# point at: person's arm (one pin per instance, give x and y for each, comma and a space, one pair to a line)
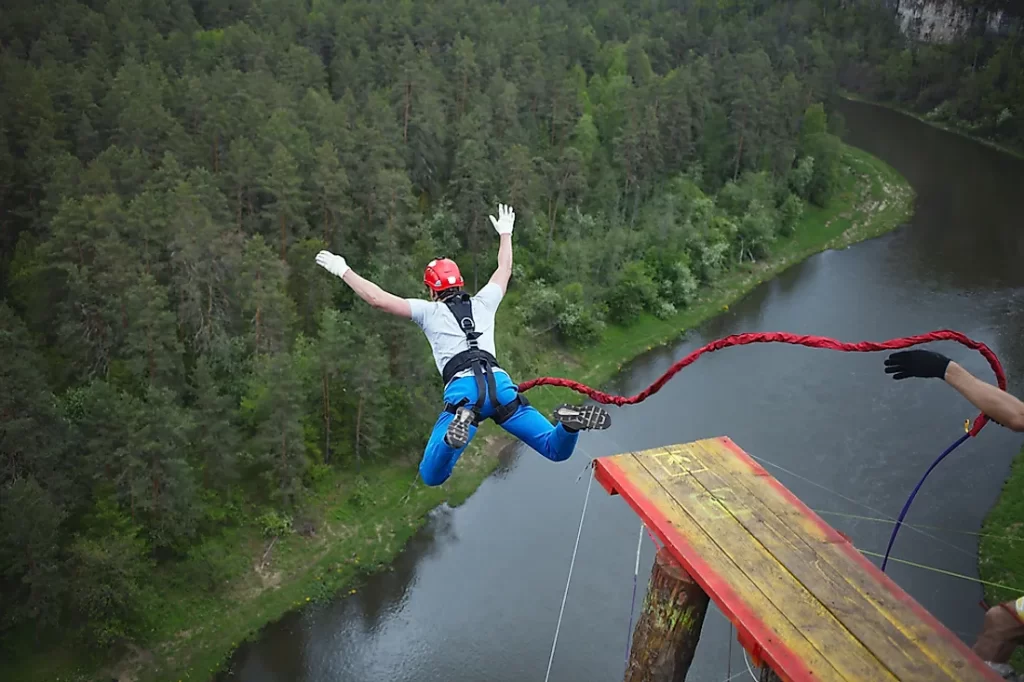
364, 288
995, 403
503, 225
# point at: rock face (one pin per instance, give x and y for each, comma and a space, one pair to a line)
941, 21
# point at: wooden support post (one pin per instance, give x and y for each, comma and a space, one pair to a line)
667, 632
768, 675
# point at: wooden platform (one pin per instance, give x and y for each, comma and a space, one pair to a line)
802, 598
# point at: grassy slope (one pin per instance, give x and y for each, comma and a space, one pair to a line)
362, 528
1001, 548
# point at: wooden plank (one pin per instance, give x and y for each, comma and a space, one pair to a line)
764, 602
891, 604
885, 624
785, 535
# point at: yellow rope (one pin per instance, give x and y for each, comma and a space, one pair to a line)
953, 574
1008, 538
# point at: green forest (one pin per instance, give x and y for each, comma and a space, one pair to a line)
974, 84
175, 366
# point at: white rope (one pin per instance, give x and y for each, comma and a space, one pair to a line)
734, 676
639, 542
749, 669
558, 626
632, 602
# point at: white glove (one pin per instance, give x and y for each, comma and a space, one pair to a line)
506, 219
333, 264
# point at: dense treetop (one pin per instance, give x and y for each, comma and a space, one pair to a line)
174, 363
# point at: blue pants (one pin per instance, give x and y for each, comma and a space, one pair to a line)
528, 425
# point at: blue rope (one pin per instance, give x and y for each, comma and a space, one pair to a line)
906, 507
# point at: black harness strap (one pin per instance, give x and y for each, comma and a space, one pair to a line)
501, 414
477, 359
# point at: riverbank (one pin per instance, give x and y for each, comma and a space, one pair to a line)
1001, 546
362, 522
941, 125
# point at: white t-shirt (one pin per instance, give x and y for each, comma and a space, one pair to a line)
442, 330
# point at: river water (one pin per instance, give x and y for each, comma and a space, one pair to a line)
476, 594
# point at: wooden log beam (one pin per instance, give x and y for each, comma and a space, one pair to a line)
669, 627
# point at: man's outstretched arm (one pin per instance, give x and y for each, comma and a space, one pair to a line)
997, 404
364, 288
503, 225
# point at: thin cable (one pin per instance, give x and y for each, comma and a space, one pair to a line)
862, 504
728, 660
734, 676
568, 580
910, 500
632, 602
943, 571
749, 669
860, 517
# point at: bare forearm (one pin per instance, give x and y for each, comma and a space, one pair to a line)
364, 288
505, 253
375, 296
999, 405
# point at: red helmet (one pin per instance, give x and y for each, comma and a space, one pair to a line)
442, 274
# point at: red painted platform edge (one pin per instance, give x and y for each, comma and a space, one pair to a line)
749, 626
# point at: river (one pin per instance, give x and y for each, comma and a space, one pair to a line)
476, 594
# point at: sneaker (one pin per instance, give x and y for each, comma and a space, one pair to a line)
457, 436
584, 418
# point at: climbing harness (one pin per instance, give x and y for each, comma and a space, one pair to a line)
480, 361
810, 342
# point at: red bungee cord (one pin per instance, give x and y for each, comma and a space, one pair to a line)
782, 337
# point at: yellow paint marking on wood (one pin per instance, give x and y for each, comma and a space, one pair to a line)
885, 625
822, 604
784, 538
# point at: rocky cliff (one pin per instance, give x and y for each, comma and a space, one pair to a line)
944, 20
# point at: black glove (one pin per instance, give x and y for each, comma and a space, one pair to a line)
925, 364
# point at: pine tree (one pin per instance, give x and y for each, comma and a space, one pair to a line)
331, 184
273, 407
286, 211
265, 304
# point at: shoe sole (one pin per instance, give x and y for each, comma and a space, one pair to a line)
457, 435
586, 418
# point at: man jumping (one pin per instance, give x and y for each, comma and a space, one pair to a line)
460, 330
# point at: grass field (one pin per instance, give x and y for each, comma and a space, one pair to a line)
1001, 546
